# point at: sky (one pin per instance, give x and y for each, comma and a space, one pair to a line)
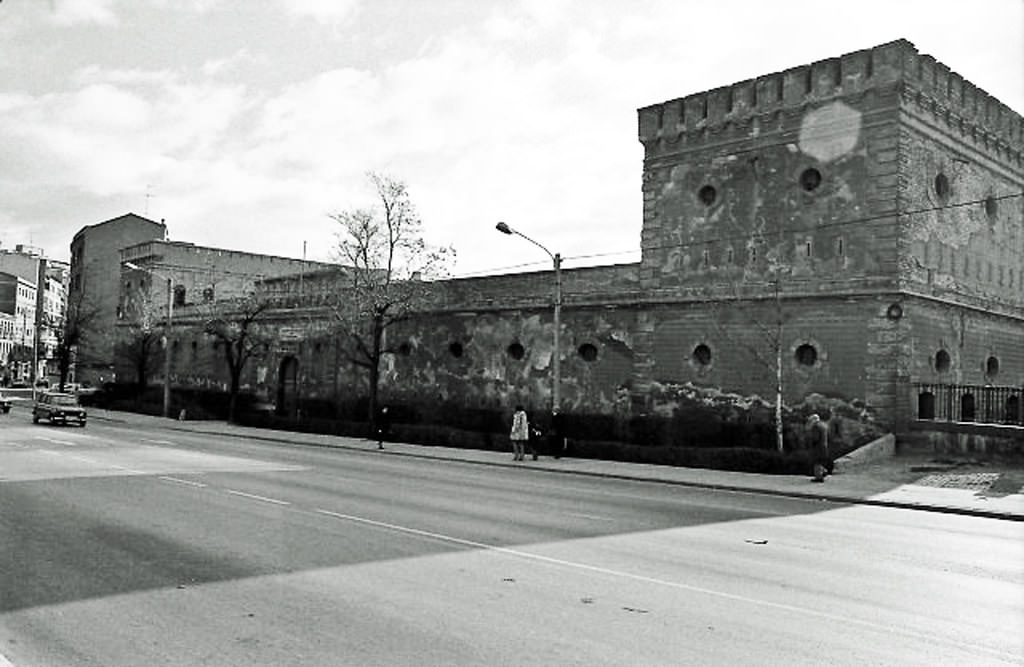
245, 123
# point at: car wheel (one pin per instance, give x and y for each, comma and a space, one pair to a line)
35, 418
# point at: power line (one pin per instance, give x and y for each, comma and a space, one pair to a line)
776, 232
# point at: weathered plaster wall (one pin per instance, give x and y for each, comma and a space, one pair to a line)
970, 337
500, 358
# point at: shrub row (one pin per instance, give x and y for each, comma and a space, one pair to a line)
698, 437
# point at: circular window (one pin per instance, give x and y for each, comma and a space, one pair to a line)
806, 355
991, 367
455, 349
702, 354
810, 179
894, 311
942, 361
707, 195
942, 186
991, 207
516, 351
405, 349
588, 352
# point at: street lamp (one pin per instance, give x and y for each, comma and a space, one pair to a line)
167, 335
556, 370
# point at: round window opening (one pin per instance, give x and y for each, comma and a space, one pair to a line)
456, 349
806, 355
702, 354
992, 367
588, 352
810, 179
942, 186
942, 361
991, 207
516, 351
707, 195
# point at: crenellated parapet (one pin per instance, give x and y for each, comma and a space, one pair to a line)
922, 82
936, 92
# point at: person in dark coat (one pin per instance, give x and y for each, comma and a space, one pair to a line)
819, 447
383, 426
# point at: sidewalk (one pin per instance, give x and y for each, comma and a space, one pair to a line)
918, 481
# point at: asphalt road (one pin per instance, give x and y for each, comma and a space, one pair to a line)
168, 548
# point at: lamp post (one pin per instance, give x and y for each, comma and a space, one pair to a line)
167, 334
556, 363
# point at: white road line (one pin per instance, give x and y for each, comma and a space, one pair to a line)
255, 497
592, 517
50, 440
871, 625
157, 442
182, 481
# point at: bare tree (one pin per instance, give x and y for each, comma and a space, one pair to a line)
141, 334
237, 326
78, 320
392, 269
733, 294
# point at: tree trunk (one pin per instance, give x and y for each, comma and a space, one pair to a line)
378, 344
232, 399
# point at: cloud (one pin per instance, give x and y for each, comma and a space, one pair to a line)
329, 12
68, 12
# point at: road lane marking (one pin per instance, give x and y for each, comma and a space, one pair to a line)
157, 442
255, 497
824, 615
54, 441
188, 482
593, 517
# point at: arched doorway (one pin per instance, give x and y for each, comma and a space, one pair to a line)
287, 386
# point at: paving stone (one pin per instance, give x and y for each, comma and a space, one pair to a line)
976, 481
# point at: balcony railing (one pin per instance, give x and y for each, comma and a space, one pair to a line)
979, 404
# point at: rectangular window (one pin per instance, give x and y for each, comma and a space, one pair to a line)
840, 250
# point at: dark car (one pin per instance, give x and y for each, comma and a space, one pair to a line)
58, 409
5, 404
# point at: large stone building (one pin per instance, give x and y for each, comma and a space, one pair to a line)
872, 203
851, 228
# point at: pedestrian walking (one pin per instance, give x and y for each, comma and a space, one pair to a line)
559, 444
819, 447
520, 433
383, 426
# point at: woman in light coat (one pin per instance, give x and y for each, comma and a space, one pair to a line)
520, 433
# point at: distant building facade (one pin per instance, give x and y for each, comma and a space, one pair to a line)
18, 303
30, 332
200, 279
94, 287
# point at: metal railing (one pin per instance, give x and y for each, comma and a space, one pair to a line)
979, 404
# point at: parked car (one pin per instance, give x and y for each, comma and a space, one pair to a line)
58, 409
5, 403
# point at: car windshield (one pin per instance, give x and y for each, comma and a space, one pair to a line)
64, 400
